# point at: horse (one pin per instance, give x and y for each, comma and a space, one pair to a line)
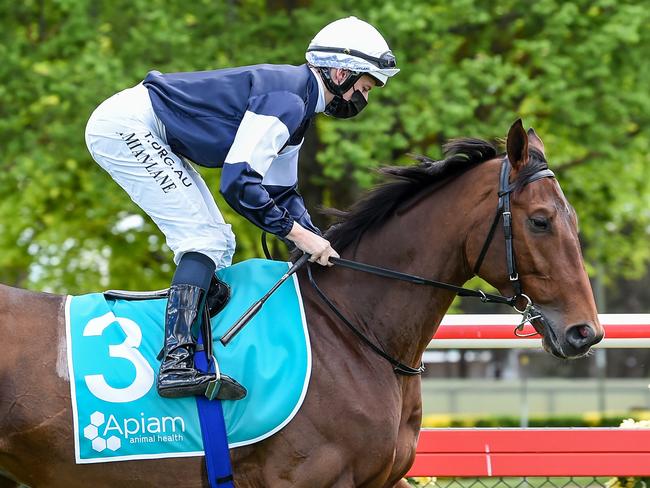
359, 423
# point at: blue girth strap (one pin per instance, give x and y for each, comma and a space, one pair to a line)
213, 430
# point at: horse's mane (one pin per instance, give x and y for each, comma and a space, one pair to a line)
405, 182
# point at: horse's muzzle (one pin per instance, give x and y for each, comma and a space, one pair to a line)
572, 343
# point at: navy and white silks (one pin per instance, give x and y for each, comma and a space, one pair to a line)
249, 121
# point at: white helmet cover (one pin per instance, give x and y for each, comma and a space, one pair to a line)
355, 45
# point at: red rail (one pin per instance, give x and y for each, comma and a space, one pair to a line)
496, 331
533, 452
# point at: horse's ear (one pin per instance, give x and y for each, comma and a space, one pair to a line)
517, 145
535, 141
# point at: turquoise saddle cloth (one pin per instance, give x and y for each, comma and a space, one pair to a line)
112, 348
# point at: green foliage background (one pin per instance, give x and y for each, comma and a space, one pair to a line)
577, 71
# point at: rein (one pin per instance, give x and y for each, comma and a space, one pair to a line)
398, 367
528, 313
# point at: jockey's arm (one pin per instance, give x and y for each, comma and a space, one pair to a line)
255, 170
281, 182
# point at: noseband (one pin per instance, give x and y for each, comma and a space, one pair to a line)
529, 312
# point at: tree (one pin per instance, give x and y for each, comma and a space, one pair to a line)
575, 70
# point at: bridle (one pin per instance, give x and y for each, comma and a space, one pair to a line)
529, 312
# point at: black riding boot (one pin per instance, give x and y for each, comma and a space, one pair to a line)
178, 377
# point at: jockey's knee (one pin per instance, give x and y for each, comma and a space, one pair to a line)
218, 244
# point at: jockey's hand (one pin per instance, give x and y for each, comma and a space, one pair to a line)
320, 249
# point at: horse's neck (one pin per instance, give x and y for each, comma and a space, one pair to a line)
426, 240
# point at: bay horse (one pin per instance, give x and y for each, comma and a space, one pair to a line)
359, 424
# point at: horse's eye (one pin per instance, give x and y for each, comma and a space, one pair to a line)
539, 224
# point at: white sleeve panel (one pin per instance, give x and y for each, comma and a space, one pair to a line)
258, 141
284, 168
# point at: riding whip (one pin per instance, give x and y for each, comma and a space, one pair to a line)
256, 307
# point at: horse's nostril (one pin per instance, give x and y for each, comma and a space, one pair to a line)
581, 336
584, 330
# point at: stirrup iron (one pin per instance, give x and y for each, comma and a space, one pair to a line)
223, 386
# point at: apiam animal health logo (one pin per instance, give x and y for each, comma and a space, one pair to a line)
132, 430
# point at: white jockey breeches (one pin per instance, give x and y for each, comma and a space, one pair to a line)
127, 139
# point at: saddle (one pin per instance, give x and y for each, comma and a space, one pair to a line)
218, 295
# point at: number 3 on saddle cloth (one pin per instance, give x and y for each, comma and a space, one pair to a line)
112, 349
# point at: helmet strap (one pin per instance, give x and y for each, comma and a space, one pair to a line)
349, 82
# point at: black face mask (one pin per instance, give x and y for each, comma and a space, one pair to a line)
344, 109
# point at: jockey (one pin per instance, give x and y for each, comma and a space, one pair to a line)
250, 122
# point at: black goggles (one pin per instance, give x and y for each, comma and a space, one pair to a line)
385, 61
